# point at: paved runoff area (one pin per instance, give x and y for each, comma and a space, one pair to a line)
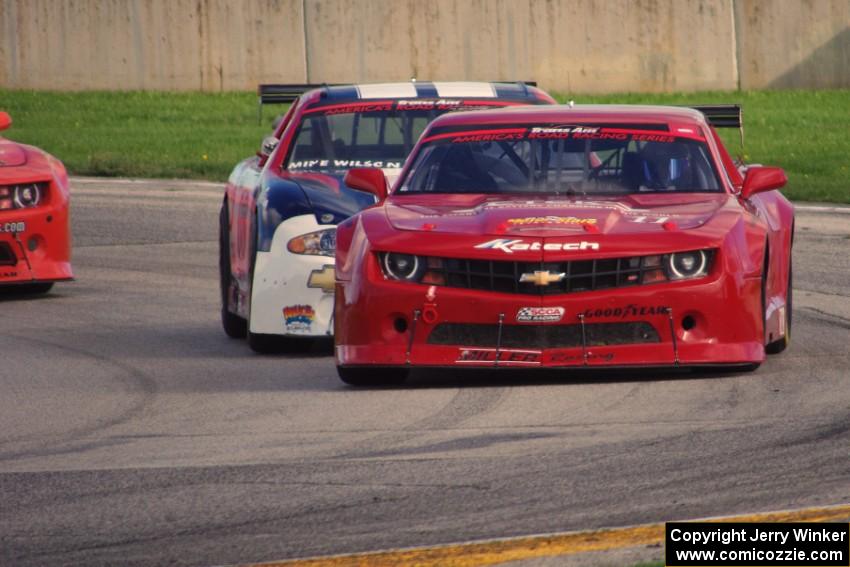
133, 432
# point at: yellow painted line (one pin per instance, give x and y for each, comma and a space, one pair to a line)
493, 552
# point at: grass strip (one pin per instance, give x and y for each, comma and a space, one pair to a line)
203, 135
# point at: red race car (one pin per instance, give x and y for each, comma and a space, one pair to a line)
35, 238
560, 236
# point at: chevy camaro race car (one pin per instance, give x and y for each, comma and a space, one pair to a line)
586, 236
35, 238
279, 216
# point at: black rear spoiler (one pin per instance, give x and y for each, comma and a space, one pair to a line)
723, 116
274, 93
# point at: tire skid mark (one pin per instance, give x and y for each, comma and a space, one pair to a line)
466, 404
144, 385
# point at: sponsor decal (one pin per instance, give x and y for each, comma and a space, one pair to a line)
782, 321
561, 357
630, 310
8, 274
491, 137
560, 132
542, 277
556, 132
13, 227
509, 246
441, 104
324, 279
549, 220
343, 163
299, 318
647, 219
504, 356
383, 106
540, 314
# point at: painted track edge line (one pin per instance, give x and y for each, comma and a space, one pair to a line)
822, 209
500, 550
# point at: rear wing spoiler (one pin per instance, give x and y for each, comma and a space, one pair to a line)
724, 116
274, 93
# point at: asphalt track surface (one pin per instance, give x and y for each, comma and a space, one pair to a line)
132, 431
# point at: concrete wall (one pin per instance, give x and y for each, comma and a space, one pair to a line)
579, 45
566, 45
793, 44
149, 44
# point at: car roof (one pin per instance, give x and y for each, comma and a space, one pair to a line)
428, 89
574, 113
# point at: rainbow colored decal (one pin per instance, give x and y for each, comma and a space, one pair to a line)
299, 318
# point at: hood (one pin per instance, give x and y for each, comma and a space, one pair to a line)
553, 216
327, 194
11, 154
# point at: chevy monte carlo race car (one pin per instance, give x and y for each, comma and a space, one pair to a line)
35, 238
280, 212
586, 236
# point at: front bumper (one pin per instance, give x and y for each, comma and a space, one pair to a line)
711, 321
292, 294
34, 245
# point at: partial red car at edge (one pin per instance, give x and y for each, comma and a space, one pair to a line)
35, 237
565, 237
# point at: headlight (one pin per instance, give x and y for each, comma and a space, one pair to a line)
685, 265
404, 267
410, 268
319, 243
21, 196
27, 195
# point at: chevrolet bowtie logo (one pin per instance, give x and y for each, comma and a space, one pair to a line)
542, 278
323, 279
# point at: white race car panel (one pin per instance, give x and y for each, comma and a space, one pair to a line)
461, 90
292, 294
387, 90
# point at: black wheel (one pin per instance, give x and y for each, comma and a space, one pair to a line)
32, 288
781, 344
370, 376
234, 326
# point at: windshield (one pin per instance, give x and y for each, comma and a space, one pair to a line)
562, 159
375, 134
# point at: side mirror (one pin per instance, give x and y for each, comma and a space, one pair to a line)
369, 179
5, 120
267, 146
760, 179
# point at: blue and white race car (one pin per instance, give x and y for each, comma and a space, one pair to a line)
280, 211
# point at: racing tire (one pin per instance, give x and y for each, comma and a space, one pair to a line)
366, 376
39, 288
234, 326
781, 344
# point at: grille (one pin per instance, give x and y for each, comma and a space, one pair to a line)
580, 275
7, 255
543, 336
